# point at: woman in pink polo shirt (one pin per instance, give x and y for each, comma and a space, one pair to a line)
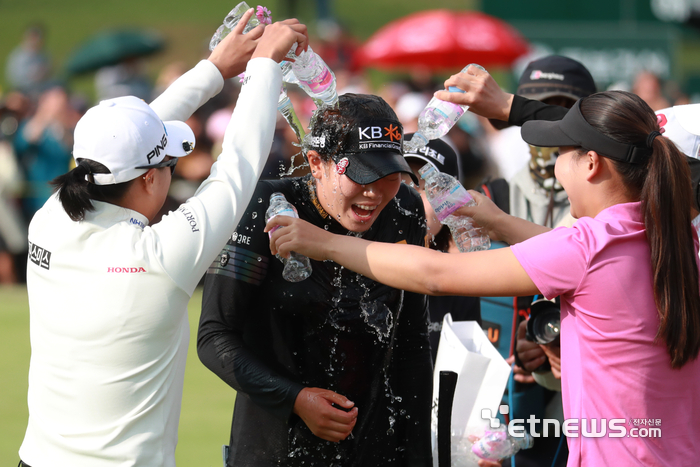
626, 273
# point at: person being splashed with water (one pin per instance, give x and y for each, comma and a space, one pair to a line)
334, 370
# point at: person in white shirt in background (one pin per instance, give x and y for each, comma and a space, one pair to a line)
107, 291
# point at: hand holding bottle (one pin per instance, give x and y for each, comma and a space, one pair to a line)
438, 117
479, 91
446, 195
297, 267
232, 54
279, 37
484, 212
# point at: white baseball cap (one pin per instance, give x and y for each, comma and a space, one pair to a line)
126, 136
681, 124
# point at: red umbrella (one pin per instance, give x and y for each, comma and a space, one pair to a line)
442, 39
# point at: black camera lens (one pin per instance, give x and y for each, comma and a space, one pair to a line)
544, 323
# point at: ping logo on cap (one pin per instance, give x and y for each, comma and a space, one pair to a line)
159, 147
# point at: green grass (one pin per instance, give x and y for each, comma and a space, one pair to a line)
207, 402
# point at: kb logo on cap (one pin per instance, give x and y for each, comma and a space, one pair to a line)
375, 132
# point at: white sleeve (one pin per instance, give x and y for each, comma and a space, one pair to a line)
188, 240
189, 92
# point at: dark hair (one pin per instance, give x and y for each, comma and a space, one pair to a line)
335, 122
76, 193
662, 183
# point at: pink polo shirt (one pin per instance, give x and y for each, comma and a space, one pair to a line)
611, 366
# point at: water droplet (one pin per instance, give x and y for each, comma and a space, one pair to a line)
259, 259
260, 200
255, 216
400, 232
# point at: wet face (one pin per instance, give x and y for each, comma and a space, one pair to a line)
354, 206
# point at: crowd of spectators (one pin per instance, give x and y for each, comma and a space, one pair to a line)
38, 115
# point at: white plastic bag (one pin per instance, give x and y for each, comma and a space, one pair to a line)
482, 377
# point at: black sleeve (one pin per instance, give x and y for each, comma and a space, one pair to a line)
414, 366
233, 326
523, 110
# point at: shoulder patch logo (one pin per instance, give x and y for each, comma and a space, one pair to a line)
39, 256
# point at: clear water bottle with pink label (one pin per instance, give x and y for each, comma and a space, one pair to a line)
446, 195
230, 22
314, 76
297, 267
497, 445
437, 118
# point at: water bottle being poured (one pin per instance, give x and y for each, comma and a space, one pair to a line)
232, 19
437, 118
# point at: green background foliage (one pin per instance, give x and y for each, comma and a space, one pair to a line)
186, 25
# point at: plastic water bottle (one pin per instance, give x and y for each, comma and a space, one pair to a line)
230, 22
315, 77
297, 267
497, 445
285, 107
446, 195
437, 118
288, 75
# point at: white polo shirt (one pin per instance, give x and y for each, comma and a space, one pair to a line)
108, 295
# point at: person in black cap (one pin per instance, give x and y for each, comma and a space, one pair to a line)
440, 155
626, 274
335, 369
535, 193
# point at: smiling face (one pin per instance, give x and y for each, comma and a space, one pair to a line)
354, 206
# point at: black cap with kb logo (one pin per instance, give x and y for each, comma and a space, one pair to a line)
371, 150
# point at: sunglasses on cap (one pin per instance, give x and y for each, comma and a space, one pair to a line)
169, 163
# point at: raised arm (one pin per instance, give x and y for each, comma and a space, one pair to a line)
407, 267
484, 97
499, 225
186, 241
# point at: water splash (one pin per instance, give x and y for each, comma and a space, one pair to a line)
371, 313
292, 167
403, 210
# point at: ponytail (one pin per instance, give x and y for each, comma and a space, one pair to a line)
76, 189
662, 183
668, 220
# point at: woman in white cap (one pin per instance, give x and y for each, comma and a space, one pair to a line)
626, 274
107, 291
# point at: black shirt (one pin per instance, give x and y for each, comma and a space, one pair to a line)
269, 338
